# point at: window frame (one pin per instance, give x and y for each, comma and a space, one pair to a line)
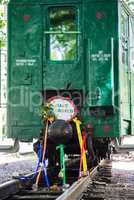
48, 33
125, 36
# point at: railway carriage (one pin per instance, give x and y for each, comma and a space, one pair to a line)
77, 49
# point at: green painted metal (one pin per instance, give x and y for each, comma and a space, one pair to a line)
98, 65
64, 73
100, 50
25, 70
131, 62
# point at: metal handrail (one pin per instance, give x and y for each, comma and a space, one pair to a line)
112, 68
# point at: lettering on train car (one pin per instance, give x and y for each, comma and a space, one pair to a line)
100, 56
27, 62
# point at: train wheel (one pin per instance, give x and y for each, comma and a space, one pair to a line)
16, 146
11, 148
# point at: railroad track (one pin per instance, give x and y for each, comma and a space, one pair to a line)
17, 190
114, 180
107, 181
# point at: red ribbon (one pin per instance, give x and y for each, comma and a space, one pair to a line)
83, 149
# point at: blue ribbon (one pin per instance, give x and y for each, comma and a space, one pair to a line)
40, 153
45, 173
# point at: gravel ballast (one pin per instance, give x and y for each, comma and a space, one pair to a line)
12, 165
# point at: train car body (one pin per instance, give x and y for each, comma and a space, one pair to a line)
82, 49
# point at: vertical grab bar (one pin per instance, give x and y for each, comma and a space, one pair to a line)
112, 68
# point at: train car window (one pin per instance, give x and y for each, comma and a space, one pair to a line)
62, 34
125, 33
131, 27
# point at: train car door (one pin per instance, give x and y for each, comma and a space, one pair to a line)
124, 73
101, 33
62, 50
131, 49
24, 69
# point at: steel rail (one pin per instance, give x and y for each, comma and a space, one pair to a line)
75, 191
72, 193
9, 188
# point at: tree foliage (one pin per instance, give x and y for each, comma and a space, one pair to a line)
2, 34
62, 42
130, 3
2, 23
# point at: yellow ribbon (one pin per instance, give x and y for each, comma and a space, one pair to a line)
84, 159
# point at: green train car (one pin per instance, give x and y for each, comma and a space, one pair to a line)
82, 49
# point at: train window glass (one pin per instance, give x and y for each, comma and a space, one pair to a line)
124, 25
125, 32
131, 27
62, 34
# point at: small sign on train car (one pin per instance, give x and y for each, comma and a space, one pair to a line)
63, 108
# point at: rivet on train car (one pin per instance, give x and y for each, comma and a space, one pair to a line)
106, 128
26, 18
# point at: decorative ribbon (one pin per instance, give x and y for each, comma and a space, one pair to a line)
45, 173
43, 157
62, 162
39, 165
84, 159
83, 151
